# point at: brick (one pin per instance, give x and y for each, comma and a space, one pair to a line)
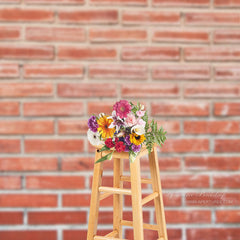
212, 54
173, 233
55, 182
86, 53
150, 90
77, 163
82, 234
28, 235
10, 1
211, 127
53, 109
65, 2
227, 73
180, 109
185, 181
151, 53
26, 89
227, 3
181, 3
28, 200
10, 182
88, 16
213, 233
86, 90
76, 200
212, 163
10, 146
11, 218
189, 216
228, 216
180, 36
227, 145
211, 90
98, 107
212, 199
60, 217
69, 126
81, 200
26, 15
9, 109
165, 164
10, 33
53, 71
28, 52
110, 71
26, 127
212, 19
172, 127
28, 164
55, 34
185, 145
180, 72
227, 36
227, 109
150, 17
117, 35
120, 2
226, 181
54, 145
9, 70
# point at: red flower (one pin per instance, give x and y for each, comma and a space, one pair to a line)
120, 147
109, 143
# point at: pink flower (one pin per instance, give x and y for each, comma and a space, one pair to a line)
122, 108
141, 122
140, 113
130, 120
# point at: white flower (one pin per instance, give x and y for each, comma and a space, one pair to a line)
138, 129
94, 138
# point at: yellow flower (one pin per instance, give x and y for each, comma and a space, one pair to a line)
137, 139
103, 128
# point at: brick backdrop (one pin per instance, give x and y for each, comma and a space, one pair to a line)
62, 60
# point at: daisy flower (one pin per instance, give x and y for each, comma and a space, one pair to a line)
104, 122
94, 138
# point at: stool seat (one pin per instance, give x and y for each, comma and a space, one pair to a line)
100, 192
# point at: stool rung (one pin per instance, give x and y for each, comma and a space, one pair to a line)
104, 195
143, 180
112, 234
149, 198
107, 238
145, 225
115, 190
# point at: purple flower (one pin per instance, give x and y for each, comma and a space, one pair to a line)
92, 124
136, 148
127, 140
126, 148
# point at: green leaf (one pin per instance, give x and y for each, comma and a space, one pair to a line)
104, 148
106, 157
132, 156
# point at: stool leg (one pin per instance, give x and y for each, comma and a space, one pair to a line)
136, 199
94, 205
117, 198
158, 201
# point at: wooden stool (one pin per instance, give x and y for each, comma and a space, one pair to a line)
100, 192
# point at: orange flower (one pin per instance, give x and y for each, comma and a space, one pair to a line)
103, 128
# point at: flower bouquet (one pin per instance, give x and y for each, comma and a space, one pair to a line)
126, 130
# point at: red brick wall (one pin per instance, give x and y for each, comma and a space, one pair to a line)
62, 60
